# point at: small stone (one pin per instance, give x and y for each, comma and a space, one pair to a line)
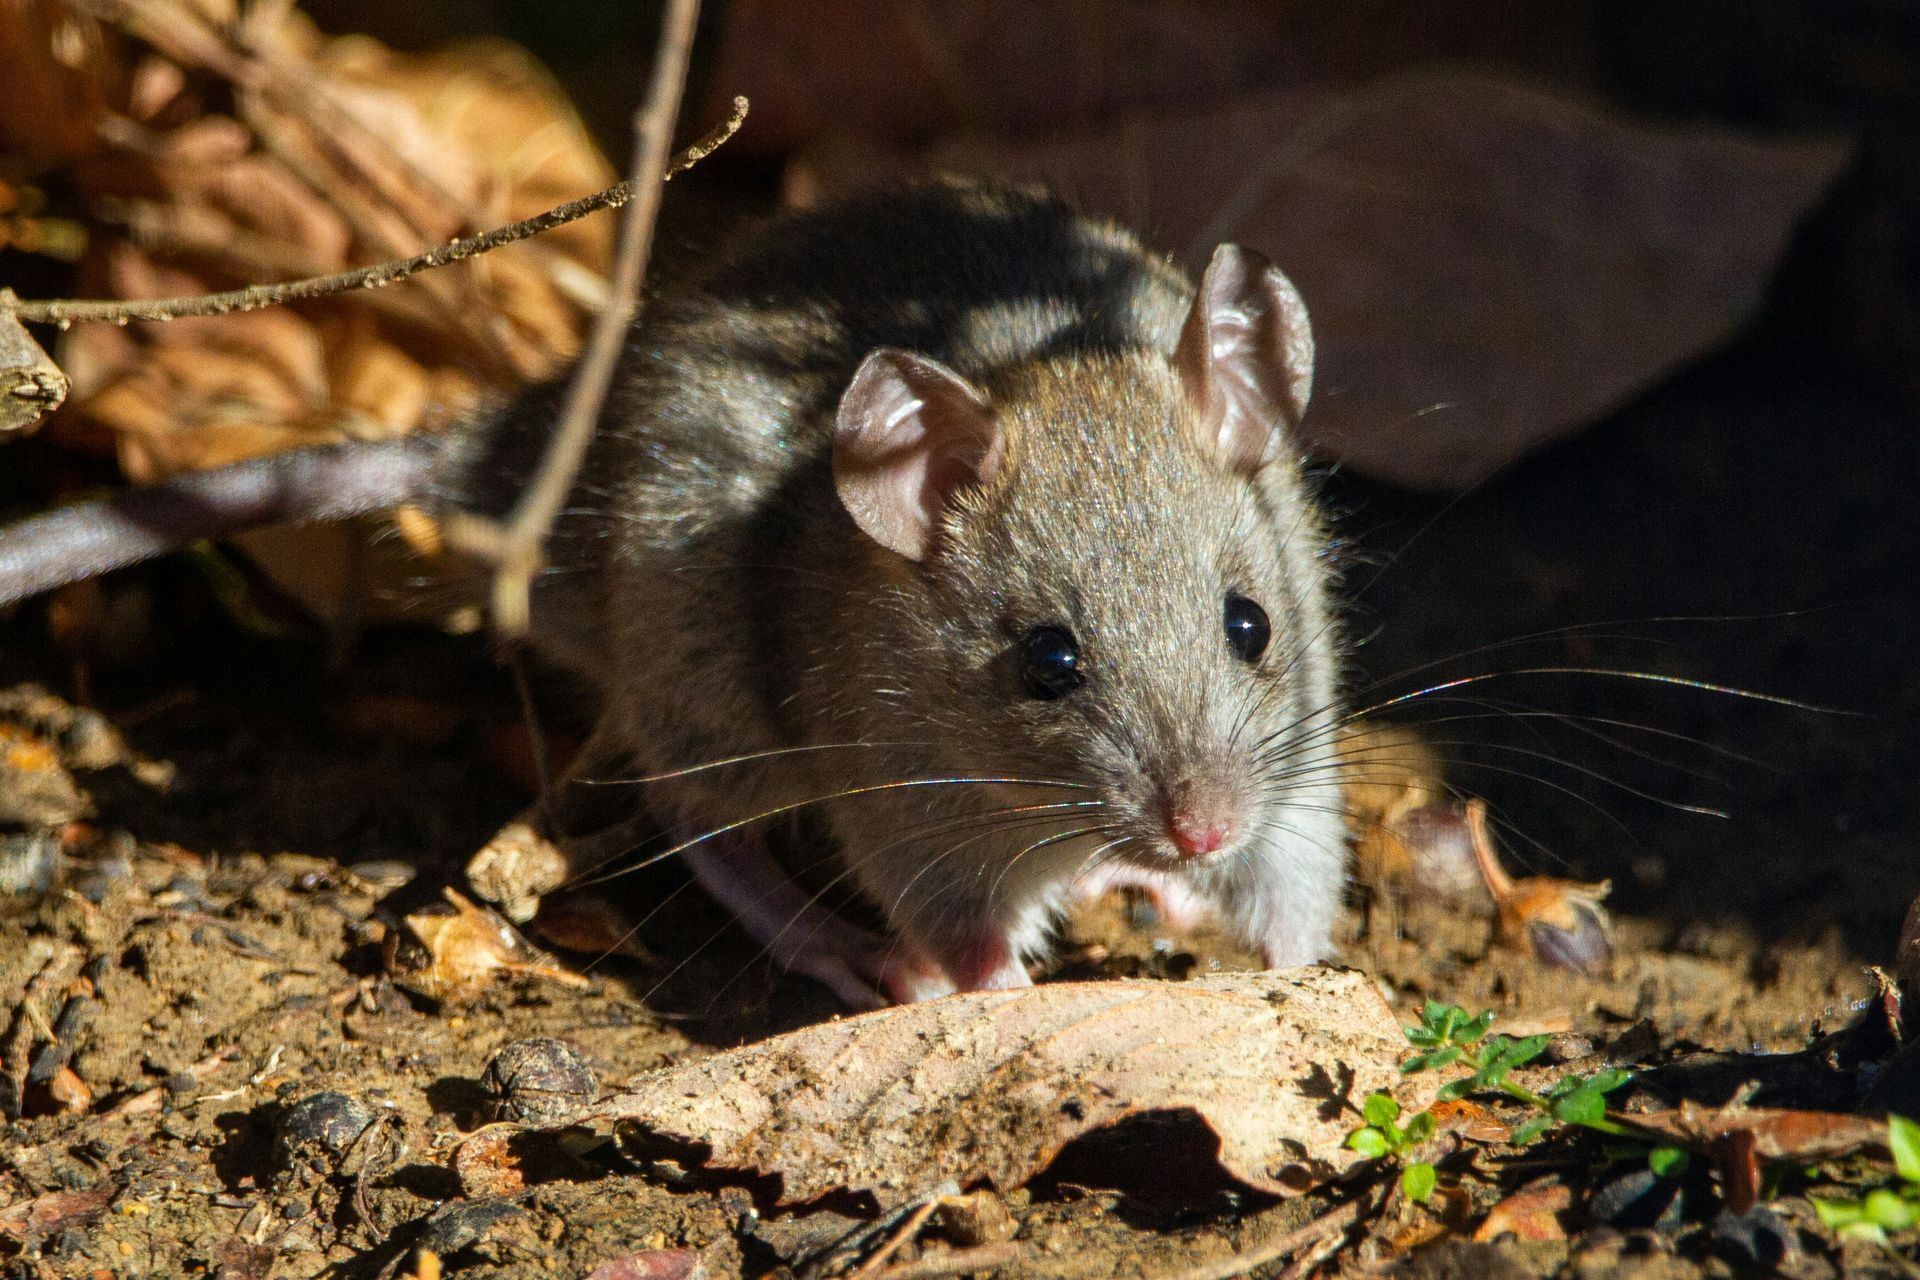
29, 861
1637, 1197
976, 1219
1757, 1238
321, 1126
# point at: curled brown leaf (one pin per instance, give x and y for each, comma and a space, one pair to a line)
985, 1088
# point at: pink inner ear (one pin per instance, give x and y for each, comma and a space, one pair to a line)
1246, 357
910, 433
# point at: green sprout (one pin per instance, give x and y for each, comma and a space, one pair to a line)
1449, 1036
1895, 1207
1382, 1136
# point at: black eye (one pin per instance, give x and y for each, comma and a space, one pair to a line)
1050, 662
1247, 629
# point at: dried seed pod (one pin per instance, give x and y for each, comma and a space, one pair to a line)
538, 1081
1407, 835
1438, 848
320, 1128
1560, 923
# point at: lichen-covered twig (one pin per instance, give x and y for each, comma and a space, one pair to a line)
65, 311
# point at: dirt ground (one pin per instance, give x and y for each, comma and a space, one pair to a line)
210, 832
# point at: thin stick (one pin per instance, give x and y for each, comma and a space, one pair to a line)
905, 1232
955, 1262
517, 548
1327, 1224
64, 311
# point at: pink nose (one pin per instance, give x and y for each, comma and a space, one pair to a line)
1196, 835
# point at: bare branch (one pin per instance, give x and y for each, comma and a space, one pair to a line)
518, 547
65, 311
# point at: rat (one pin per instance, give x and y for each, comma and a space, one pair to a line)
947, 516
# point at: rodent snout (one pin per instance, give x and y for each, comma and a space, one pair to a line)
1200, 819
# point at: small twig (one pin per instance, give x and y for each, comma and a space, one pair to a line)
907, 1230
1330, 1223
65, 311
955, 1262
151, 1100
517, 547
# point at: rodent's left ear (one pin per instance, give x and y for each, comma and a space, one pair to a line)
909, 434
1245, 357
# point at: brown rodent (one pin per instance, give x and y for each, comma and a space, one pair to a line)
963, 523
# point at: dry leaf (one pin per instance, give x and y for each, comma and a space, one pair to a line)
1470, 1120
894, 72
1742, 1139
1776, 1133
69, 1094
487, 1165
987, 1087
48, 1215
31, 385
652, 1264
1534, 1213
466, 948
324, 154
1488, 266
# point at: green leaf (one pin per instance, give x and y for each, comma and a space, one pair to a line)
1471, 1031
1837, 1215
1518, 1053
1865, 1231
1418, 1181
1528, 1130
1903, 1136
1380, 1110
1610, 1079
1584, 1106
1369, 1142
1453, 1089
1669, 1162
1421, 1127
1442, 1057
1884, 1209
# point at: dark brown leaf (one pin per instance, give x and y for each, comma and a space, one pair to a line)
1488, 266
49, 1214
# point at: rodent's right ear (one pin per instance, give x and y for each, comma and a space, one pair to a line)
1246, 357
909, 434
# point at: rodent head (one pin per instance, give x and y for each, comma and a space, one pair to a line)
1103, 570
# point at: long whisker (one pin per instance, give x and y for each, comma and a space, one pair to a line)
796, 805
1644, 677
748, 758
